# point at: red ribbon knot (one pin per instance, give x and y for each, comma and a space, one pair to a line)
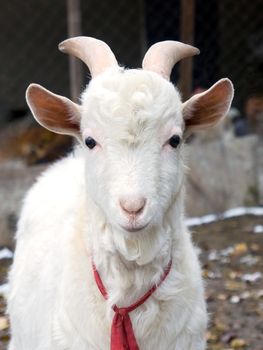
122, 335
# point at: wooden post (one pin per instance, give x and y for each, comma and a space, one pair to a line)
75, 66
259, 154
187, 37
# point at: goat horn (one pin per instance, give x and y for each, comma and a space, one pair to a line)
161, 57
95, 53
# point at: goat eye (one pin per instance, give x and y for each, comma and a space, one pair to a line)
90, 142
174, 141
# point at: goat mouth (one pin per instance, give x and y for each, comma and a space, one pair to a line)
134, 228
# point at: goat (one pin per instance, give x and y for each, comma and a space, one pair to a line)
111, 214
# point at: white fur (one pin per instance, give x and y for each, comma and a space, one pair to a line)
72, 214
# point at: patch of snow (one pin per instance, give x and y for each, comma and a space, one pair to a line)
4, 290
231, 213
252, 277
213, 255
222, 255
249, 260
227, 251
235, 299
201, 220
214, 275
258, 229
198, 250
5, 253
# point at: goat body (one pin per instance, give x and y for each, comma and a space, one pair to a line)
117, 200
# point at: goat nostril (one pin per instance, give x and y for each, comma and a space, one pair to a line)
133, 206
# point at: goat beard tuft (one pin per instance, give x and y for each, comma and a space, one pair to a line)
146, 246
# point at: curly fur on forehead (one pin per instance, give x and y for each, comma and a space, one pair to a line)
130, 103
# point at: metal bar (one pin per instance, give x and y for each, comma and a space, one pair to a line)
187, 36
75, 66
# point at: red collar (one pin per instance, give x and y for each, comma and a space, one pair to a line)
122, 335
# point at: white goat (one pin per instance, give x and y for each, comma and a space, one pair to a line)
116, 205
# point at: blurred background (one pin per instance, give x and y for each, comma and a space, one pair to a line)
226, 163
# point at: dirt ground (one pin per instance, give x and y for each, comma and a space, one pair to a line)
232, 257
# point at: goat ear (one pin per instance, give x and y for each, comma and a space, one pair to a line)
207, 108
53, 112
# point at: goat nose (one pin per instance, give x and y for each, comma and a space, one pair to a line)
132, 206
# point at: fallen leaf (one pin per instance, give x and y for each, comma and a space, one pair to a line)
238, 343
254, 247
211, 337
222, 296
234, 285
240, 249
228, 337
4, 324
